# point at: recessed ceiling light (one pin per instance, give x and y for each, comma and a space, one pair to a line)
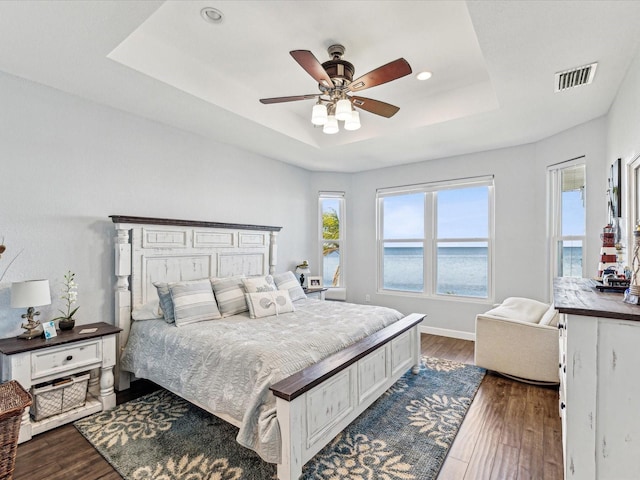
424, 75
212, 15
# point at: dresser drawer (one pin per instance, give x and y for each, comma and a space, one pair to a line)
66, 358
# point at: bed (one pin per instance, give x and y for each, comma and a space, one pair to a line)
291, 400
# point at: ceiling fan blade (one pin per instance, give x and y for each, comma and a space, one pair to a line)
288, 99
375, 106
391, 71
312, 66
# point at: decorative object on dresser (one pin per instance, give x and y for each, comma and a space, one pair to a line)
406, 434
30, 294
69, 295
302, 270
330, 372
70, 353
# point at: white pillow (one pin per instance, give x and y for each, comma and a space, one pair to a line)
149, 311
550, 317
266, 304
258, 284
518, 308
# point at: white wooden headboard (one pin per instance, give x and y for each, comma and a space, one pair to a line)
149, 250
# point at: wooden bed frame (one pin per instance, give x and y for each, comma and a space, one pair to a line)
313, 405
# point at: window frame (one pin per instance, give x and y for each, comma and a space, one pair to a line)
341, 241
430, 240
554, 214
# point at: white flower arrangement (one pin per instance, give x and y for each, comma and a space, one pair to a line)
69, 295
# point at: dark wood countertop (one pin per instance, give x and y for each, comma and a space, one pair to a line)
579, 296
13, 345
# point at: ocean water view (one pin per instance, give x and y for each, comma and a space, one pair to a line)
462, 270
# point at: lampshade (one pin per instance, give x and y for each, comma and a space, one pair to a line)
343, 109
353, 122
319, 114
331, 126
31, 293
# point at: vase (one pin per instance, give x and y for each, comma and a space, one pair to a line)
66, 323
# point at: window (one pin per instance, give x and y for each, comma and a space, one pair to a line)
435, 239
332, 237
567, 218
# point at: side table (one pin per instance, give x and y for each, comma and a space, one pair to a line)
35, 361
317, 293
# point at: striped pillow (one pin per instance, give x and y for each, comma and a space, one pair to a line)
166, 305
288, 281
193, 302
229, 295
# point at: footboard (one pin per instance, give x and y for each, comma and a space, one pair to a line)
317, 403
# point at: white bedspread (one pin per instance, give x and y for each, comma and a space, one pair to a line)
228, 365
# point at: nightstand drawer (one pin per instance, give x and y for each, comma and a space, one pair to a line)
64, 359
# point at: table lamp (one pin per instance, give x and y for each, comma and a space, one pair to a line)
27, 295
301, 270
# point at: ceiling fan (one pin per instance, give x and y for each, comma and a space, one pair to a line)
335, 82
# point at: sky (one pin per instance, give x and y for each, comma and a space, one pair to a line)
462, 213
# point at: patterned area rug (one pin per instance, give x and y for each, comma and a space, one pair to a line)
404, 435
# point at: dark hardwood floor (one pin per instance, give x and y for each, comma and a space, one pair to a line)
512, 431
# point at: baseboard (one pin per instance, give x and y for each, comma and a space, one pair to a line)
445, 332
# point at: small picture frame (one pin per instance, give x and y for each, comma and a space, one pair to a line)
314, 282
49, 329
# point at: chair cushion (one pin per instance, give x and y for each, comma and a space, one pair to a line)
522, 309
550, 317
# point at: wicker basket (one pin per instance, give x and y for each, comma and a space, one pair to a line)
13, 400
59, 396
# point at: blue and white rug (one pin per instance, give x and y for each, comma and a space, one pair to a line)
404, 435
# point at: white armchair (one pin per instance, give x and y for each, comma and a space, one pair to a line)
519, 338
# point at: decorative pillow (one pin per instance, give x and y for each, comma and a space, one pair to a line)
166, 305
258, 284
193, 302
550, 317
288, 281
229, 295
518, 308
267, 304
149, 311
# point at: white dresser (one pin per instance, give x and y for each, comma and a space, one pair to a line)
599, 382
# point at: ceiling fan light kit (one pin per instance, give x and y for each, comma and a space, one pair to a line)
319, 114
335, 82
331, 126
353, 122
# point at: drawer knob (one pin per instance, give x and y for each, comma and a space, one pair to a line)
562, 405
69, 357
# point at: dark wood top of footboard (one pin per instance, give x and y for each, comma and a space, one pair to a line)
190, 223
299, 383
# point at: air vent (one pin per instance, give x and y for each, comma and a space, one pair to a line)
575, 77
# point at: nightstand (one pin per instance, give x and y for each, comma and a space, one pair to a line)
32, 362
317, 293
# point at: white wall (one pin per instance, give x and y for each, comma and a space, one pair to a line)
67, 164
623, 132
521, 265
